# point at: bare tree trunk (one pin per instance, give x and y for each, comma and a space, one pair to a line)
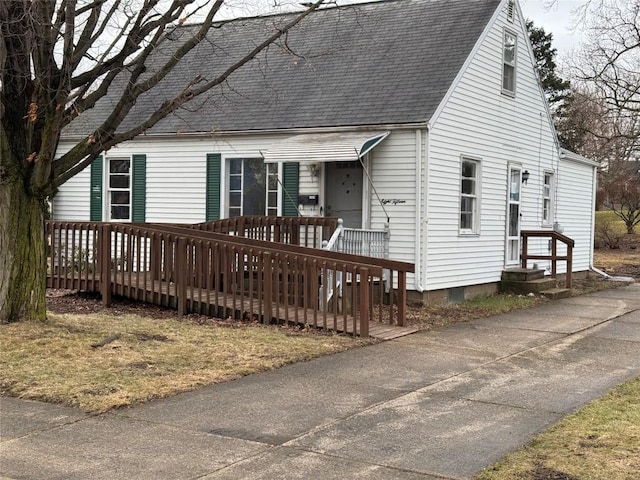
22, 254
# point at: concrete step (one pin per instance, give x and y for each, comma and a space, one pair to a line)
522, 274
530, 286
556, 293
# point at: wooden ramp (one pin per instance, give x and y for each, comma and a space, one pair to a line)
140, 287
264, 274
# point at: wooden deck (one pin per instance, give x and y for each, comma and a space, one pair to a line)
267, 269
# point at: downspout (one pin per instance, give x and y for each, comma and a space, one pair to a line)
594, 192
419, 280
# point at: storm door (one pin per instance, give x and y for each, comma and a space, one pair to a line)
513, 215
343, 192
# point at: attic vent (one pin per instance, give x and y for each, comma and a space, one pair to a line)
511, 7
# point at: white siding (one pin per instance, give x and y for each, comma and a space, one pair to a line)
176, 175
71, 202
393, 173
576, 209
479, 121
176, 182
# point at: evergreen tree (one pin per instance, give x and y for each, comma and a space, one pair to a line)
555, 88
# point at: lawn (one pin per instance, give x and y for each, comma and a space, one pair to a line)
101, 361
624, 258
599, 442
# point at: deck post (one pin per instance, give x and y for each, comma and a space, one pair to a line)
525, 247
554, 259
155, 257
267, 271
104, 256
181, 276
364, 302
402, 297
567, 279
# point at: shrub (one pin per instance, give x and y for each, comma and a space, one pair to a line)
609, 233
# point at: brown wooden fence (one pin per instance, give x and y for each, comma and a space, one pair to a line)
224, 275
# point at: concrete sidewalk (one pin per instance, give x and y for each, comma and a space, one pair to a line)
438, 404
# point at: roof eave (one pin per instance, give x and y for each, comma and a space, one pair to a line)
272, 131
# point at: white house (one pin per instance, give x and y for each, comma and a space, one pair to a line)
427, 114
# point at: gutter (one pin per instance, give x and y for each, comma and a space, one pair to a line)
419, 280
272, 131
599, 272
594, 191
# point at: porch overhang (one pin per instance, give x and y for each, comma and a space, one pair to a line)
324, 147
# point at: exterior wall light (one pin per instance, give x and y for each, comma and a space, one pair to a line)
525, 176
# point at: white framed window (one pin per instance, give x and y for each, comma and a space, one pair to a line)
547, 198
119, 188
469, 196
509, 47
253, 187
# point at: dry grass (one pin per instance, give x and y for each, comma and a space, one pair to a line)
60, 361
599, 442
430, 316
624, 260
614, 260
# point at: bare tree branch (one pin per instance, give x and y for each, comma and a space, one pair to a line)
105, 137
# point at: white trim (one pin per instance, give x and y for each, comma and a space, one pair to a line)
552, 198
418, 213
509, 93
594, 192
106, 189
225, 193
477, 212
270, 131
327, 147
367, 197
575, 157
507, 260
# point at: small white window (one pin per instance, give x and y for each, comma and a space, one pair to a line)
253, 187
547, 199
119, 188
509, 63
469, 191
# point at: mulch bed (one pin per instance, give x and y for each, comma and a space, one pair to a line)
83, 303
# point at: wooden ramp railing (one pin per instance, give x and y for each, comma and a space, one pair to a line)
226, 276
554, 256
303, 231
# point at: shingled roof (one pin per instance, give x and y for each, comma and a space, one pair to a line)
387, 62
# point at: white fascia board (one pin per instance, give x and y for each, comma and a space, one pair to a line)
575, 157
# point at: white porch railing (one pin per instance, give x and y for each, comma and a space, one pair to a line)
354, 241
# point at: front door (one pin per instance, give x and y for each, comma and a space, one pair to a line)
343, 192
513, 215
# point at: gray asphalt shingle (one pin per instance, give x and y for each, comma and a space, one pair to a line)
369, 64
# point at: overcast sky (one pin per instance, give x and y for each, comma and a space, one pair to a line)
555, 16
557, 19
